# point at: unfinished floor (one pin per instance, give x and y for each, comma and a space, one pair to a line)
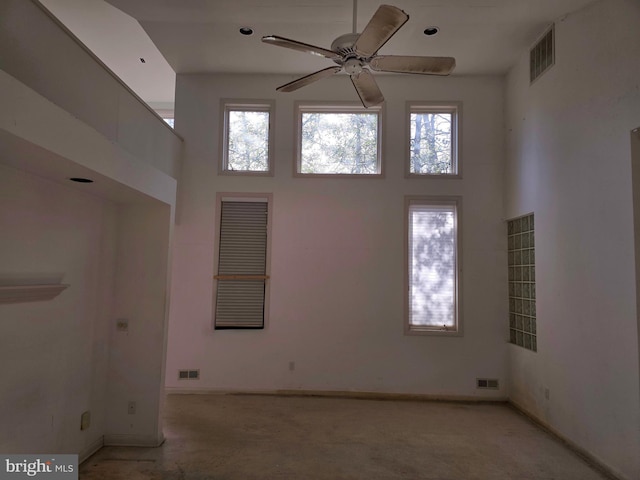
228, 437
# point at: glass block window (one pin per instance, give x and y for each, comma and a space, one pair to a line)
522, 282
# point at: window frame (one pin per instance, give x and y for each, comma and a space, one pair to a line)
245, 105
239, 197
457, 330
455, 109
335, 107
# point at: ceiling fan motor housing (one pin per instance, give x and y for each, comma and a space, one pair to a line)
344, 44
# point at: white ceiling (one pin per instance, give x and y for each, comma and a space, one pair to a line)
485, 36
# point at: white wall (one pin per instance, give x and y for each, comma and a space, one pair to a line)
336, 305
55, 353
40, 54
569, 162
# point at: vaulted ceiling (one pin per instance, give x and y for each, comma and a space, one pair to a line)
485, 36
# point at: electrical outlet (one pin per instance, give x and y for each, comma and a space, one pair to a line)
85, 420
292, 366
122, 325
131, 409
546, 393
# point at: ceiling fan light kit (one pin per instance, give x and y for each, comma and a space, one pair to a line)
356, 54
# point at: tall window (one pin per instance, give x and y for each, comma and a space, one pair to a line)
433, 139
247, 138
338, 140
433, 265
241, 282
522, 282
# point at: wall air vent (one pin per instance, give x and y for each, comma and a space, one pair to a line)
542, 56
489, 383
188, 374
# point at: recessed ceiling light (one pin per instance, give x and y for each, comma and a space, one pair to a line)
246, 30
431, 31
81, 180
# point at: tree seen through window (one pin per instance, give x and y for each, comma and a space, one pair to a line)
248, 141
430, 143
339, 143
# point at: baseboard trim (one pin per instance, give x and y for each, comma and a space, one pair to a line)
587, 456
124, 440
89, 450
419, 397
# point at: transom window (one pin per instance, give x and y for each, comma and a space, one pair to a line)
248, 138
433, 139
433, 265
338, 140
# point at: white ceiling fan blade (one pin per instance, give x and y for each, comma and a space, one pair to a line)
301, 47
367, 88
409, 64
306, 80
384, 23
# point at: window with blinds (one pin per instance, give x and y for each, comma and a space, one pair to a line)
433, 265
241, 280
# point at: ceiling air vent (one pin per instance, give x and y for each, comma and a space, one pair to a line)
542, 55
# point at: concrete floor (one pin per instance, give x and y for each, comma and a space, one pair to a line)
227, 437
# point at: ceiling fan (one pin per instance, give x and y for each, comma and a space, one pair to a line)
355, 53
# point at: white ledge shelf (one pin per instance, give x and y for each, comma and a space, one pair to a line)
30, 293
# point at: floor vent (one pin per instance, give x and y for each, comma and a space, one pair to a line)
490, 383
188, 374
542, 55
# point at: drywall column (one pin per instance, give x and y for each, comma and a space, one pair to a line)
138, 331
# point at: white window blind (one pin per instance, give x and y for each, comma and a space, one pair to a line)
432, 258
242, 255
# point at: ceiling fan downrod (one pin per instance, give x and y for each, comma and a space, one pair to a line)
355, 17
